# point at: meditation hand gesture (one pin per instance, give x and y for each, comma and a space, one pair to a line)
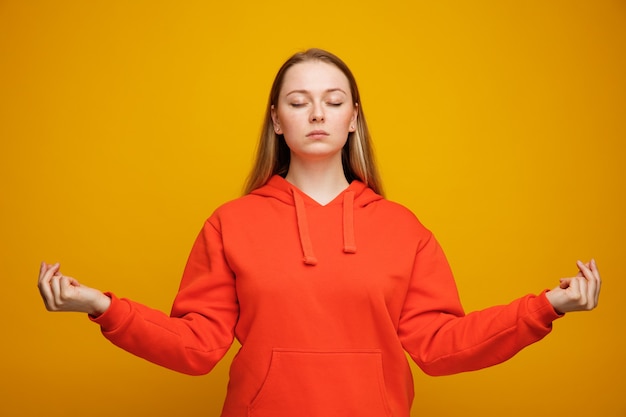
579, 293
62, 293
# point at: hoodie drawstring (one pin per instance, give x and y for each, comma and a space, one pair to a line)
303, 229
349, 242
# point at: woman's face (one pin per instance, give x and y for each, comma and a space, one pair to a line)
315, 110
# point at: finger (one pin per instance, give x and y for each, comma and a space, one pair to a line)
592, 281
591, 276
583, 285
46, 294
573, 291
55, 267
564, 283
584, 269
44, 284
43, 270
596, 272
52, 270
64, 286
594, 269
592, 294
55, 286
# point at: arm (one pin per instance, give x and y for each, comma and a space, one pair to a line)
443, 340
199, 330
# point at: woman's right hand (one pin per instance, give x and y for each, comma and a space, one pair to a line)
62, 293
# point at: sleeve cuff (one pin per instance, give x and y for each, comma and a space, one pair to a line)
114, 316
545, 311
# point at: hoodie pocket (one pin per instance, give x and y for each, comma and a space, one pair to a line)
322, 383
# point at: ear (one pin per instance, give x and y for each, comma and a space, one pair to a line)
275, 121
354, 117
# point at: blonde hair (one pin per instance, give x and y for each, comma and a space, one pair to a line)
273, 155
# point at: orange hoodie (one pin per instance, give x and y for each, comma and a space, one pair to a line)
325, 300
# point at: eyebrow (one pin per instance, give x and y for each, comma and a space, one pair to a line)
330, 90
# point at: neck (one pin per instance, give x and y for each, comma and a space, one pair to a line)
320, 180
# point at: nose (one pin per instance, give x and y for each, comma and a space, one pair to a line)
317, 113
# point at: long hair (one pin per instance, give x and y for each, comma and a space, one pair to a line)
273, 155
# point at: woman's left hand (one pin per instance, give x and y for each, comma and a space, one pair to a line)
579, 293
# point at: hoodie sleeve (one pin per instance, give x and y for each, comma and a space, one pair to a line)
200, 328
442, 340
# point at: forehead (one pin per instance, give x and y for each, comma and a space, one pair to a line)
314, 76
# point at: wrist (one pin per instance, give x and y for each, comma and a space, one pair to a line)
553, 300
101, 304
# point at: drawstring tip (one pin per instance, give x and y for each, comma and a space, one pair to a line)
310, 260
349, 249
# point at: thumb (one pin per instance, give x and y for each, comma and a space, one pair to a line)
564, 283
54, 268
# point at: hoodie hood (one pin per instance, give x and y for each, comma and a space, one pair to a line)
356, 195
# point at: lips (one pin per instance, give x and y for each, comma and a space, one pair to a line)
317, 134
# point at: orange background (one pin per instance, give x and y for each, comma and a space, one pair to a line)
124, 124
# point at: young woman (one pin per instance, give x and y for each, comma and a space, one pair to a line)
324, 282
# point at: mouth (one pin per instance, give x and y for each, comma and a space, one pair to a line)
317, 134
